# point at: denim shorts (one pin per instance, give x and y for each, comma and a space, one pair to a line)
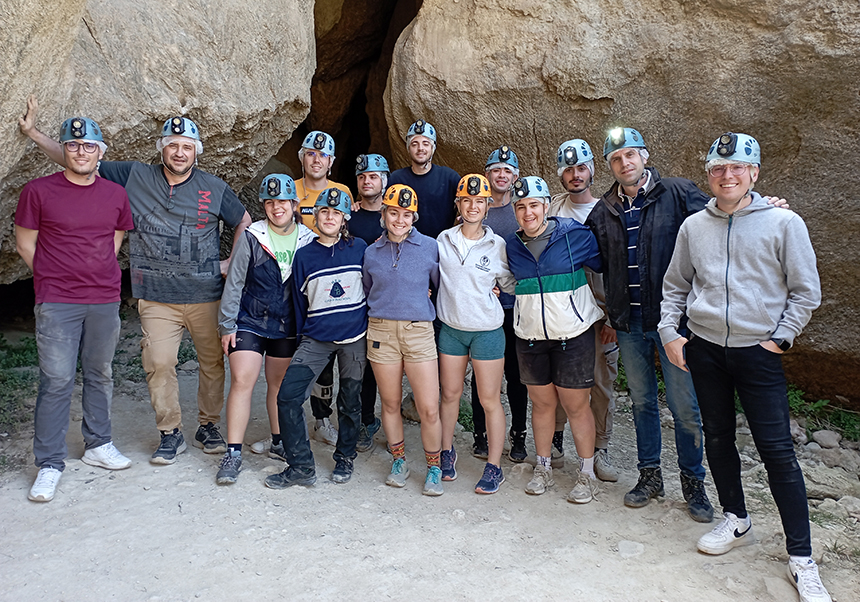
480, 345
567, 364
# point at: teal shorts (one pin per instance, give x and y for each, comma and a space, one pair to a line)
480, 345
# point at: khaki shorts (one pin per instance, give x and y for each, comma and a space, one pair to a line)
395, 341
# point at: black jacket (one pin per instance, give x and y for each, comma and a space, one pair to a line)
667, 204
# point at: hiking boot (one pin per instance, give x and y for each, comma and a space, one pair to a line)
518, 451
479, 447
365, 436
45, 484
342, 472
698, 505
433, 481
172, 443
291, 476
557, 456
491, 479
541, 480
399, 473
449, 464
730, 533
229, 469
277, 452
603, 467
106, 456
209, 439
584, 491
804, 575
650, 485
325, 432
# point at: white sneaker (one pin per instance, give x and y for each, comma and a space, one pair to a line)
106, 456
541, 479
45, 485
325, 432
603, 467
584, 491
261, 447
730, 533
804, 575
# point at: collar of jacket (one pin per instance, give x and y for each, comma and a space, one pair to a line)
612, 199
384, 240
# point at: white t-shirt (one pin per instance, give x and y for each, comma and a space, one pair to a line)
562, 207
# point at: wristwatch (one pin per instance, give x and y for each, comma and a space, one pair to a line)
782, 344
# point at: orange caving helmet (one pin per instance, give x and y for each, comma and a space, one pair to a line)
402, 196
474, 185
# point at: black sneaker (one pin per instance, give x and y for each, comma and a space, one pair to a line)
342, 472
518, 451
650, 485
291, 476
277, 452
365, 436
172, 443
209, 439
479, 447
698, 505
229, 469
557, 453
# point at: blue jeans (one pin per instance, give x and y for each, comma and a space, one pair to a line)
309, 361
757, 375
63, 329
637, 355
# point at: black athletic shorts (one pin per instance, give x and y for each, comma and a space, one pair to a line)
567, 364
248, 341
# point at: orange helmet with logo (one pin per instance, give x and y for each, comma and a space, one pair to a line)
474, 185
402, 196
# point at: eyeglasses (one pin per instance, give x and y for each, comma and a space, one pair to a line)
314, 154
89, 147
736, 169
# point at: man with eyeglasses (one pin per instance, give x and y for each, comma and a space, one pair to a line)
435, 185
69, 227
745, 278
176, 274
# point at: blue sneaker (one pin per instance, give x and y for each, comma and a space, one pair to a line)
399, 473
365, 436
449, 464
492, 479
433, 482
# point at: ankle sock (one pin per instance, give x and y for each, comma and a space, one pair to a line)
433, 458
545, 461
398, 450
234, 447
276, 439
586, 465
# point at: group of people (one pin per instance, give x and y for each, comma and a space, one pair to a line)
542, 290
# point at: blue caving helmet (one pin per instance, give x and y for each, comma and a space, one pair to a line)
421, 128
735, 147
336, 199
80, 128
319, 141
180, 126
278, 186
531, 187
619, 138
573, 152
371, 162
503, 154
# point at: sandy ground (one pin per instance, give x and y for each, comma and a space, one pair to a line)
170, 533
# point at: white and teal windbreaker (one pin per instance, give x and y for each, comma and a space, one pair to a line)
553, 300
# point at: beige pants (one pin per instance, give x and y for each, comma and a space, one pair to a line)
162, 325
602, 402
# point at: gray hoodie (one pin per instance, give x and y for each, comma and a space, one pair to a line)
742, 278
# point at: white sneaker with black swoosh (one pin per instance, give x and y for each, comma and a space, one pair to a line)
730, 533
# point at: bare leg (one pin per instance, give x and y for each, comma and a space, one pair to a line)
544, 400
244, 370
576, 404
275, 369
488, 375
424, 379
452, 370
389, 382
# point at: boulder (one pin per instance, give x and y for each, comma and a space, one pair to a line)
241, 70
823, 482
827, 439
532, 74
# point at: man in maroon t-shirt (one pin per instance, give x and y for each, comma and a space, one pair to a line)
68, 229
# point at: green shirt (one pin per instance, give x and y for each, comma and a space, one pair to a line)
284, 247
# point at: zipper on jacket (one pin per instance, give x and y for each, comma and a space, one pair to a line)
728, 261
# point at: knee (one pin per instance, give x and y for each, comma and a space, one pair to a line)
295, 386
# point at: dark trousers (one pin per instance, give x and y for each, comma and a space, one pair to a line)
368, 398
518, 395
310, 359
757, 376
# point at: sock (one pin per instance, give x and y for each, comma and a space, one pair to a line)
545, 461
234, 447
398, 450
276, 439
586, 465
433, 458
597, 449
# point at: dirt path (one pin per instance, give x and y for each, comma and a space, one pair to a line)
170, 533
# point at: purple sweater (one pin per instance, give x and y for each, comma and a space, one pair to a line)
397, 277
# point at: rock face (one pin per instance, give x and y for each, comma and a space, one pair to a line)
533, 74
241, 70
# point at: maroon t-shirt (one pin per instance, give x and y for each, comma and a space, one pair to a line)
75, 260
